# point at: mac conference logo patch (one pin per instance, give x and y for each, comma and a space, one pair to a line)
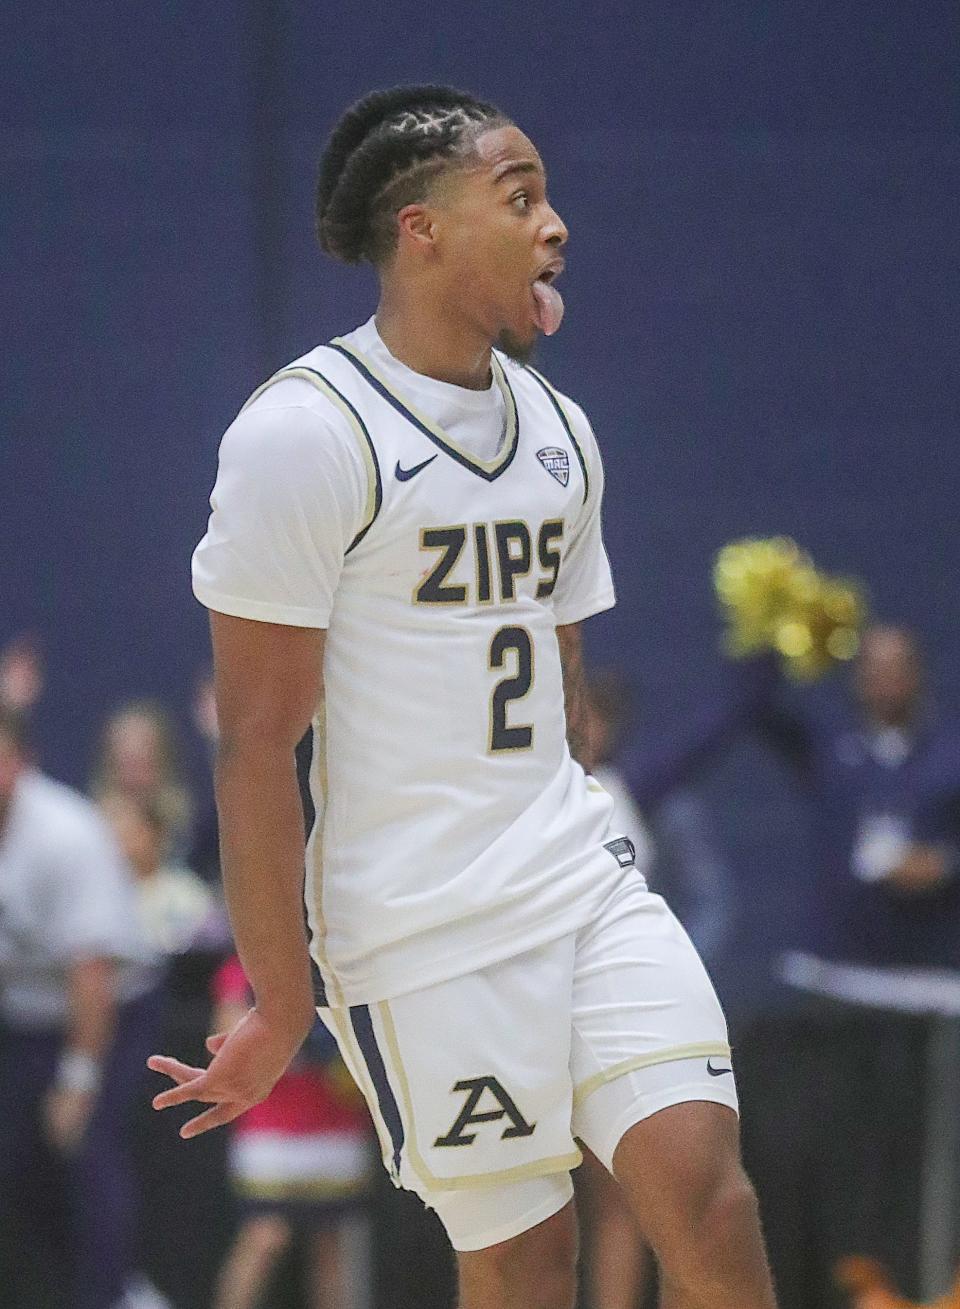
556, 462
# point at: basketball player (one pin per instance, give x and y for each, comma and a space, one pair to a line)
405, 538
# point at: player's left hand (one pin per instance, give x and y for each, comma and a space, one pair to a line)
247, 1062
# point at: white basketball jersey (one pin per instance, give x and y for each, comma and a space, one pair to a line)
453, 827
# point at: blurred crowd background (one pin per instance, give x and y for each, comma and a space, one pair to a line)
762, 323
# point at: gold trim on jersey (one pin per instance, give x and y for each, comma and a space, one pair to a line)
441, 437
701, 1050
307, 374
428, 1180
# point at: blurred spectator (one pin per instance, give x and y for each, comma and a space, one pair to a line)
609, 710
179, 912
71, 1046
21, 673
138, 757
301, 1165
833, 1087
649, 778
183, 920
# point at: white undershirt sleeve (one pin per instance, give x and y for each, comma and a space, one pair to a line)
584, 585
291, 495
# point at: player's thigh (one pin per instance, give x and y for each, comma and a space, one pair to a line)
469, 1084
648, 1030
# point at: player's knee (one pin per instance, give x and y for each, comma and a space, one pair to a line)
727, 1216
537, 1269
606, 1200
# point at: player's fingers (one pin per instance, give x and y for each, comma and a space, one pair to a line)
213, 1043
173, 1068
199, 1089
215, 1117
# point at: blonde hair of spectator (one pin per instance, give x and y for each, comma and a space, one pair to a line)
139, 756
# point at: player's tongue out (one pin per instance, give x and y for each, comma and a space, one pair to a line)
549, 304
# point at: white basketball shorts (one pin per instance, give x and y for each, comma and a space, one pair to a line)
481, 1086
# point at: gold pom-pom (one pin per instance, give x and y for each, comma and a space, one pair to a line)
775, 599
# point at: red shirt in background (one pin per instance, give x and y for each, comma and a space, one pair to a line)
309, 1098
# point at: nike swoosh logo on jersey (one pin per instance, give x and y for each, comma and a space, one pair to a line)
717, 1072
404, 474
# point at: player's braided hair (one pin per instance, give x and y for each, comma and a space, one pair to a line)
380, 157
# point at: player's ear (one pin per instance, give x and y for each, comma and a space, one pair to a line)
416, 227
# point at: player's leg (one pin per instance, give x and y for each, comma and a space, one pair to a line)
616, 1255
535, 1270
655, 1100
680, 1170
468, 1082
258, 1244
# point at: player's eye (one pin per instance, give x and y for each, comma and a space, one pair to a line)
520, 200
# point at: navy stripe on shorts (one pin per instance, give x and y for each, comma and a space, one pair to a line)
389, 1112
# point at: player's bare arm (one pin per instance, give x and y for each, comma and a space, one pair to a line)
268, 683
575, 693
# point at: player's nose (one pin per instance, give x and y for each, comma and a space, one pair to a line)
554, 229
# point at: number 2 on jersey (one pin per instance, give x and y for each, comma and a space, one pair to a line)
510, 641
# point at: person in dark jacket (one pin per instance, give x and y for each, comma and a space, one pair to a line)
835, 1129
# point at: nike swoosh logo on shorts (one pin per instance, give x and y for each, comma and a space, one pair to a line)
717, 1072
404, 474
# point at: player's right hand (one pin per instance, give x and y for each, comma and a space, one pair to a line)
247, 1062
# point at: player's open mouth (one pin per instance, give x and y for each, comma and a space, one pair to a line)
548, 303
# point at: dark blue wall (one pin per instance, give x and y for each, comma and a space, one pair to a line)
762, 301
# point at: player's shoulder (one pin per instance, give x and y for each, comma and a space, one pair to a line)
301, 384
295, 412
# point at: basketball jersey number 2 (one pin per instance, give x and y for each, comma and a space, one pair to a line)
516, 642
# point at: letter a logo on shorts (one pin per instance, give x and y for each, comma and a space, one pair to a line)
468, 1115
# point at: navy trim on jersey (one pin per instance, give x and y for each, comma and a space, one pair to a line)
548, 391
378, 489
401, 408
319, 986
367, 1041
